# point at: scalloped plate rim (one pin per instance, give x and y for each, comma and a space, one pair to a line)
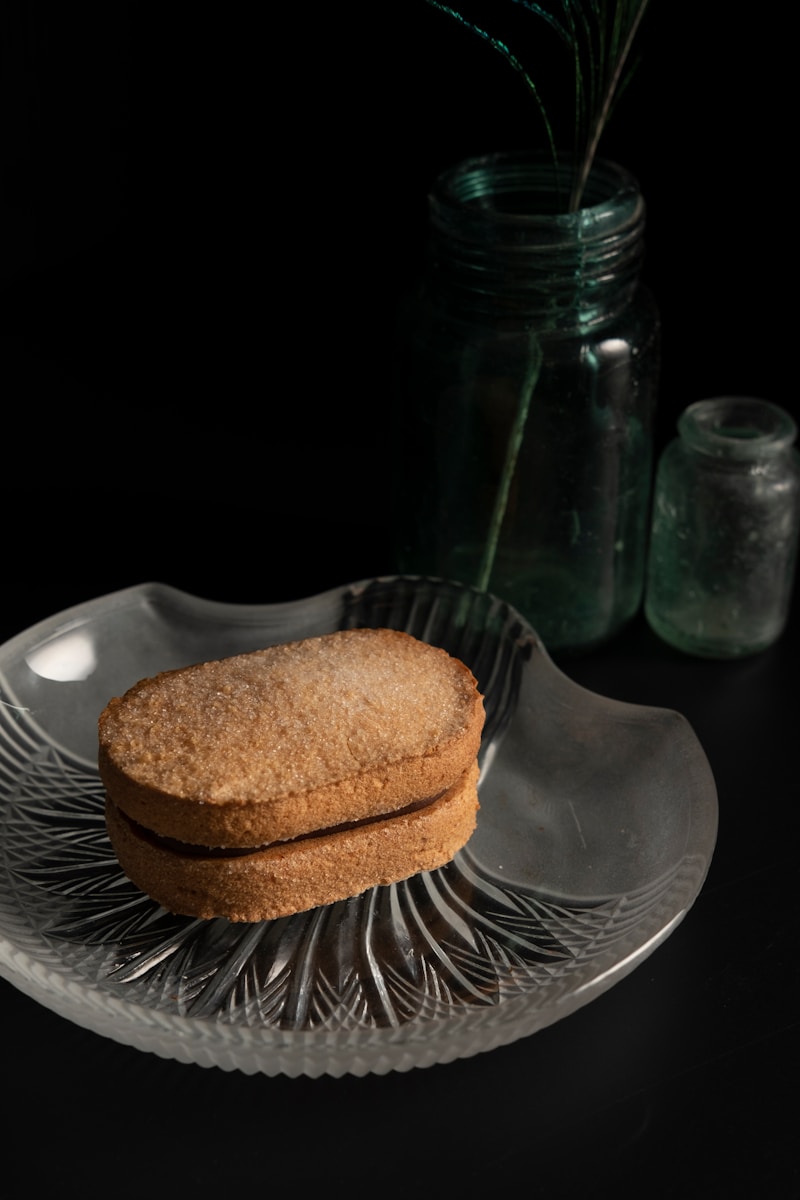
326, 1054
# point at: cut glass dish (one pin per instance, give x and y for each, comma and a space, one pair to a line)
596, 829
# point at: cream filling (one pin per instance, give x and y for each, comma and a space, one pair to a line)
191, 850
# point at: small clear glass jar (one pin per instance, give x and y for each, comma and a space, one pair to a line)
526, 387
724, 532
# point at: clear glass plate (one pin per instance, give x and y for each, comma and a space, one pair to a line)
597, 824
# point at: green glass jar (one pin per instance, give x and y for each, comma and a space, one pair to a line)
527, 378
726, 513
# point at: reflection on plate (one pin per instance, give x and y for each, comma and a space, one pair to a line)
596, 830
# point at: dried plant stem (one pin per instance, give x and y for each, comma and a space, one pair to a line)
516, 434
510, 58
606, 103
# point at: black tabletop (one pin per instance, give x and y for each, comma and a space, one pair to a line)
196, 390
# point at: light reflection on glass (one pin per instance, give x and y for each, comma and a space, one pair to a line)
66, 658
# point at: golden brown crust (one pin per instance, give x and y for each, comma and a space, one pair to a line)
294, 876
288, 740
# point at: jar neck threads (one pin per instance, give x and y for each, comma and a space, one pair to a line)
502, 244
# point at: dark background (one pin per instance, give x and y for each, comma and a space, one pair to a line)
207, 222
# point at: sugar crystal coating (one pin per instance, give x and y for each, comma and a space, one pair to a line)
288, 718
316, 769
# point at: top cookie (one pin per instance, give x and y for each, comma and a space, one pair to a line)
292, 739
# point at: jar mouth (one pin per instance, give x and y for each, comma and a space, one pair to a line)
737, 427
528, 191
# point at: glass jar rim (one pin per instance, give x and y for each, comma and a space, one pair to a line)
484, 186
738, 427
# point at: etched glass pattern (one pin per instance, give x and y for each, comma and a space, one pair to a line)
595, 833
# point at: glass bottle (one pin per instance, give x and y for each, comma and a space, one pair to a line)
726, 513
527, 377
